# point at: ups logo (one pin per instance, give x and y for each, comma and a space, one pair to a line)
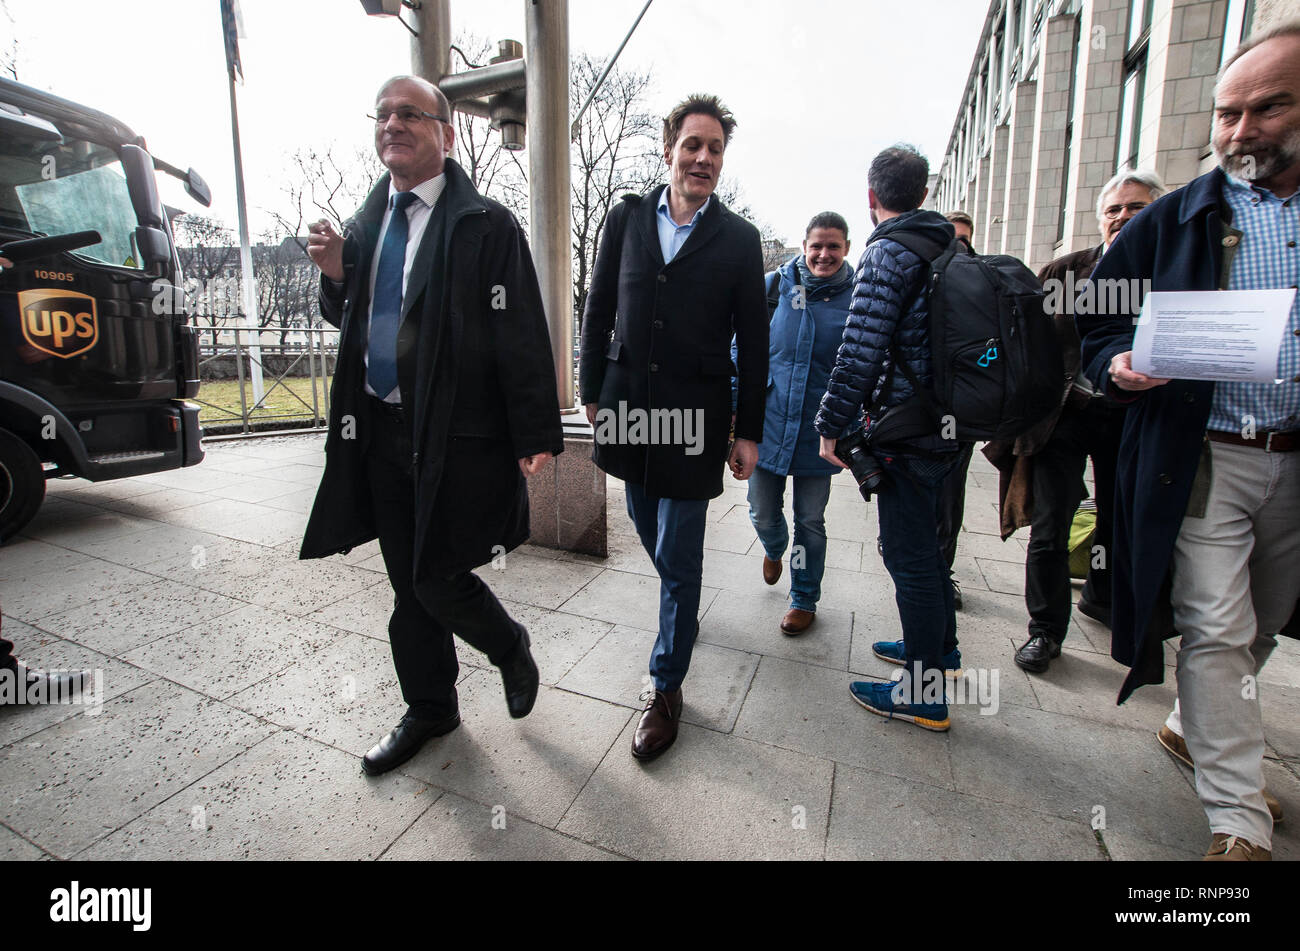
59, 322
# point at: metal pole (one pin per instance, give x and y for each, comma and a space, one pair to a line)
245, 255
547, 56
431, 47
573, 131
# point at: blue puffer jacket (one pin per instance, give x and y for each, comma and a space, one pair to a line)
877, 330
803, 343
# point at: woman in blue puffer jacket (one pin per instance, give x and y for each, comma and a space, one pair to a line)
807, 327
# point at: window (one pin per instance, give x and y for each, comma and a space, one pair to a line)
1069, 138
1128, 143
1236, 26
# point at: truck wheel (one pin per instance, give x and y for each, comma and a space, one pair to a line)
22, 484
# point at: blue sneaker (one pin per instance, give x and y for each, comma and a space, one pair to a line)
878, 698
892, 652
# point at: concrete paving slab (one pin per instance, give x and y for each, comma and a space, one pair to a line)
559, 641
808, 709
877, 817
456, 829
14, 848
1126, 847
159, 504
224, 655
59, 511
97, 532
270, 527
534, 767
84, 777
66, 584
270, 578
1283, 666
1003, 576
751, 621
621, 597
40, 650
345, 695
252, 489
722, 537
616, 671
1280, 708
709, 797
1059, 764
122, 622
30, 560
1077, 679
308, 801
363, 612
542, 582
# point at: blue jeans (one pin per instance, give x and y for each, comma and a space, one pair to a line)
907, 504
808, 559
672, 533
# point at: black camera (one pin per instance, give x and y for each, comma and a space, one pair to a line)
862, 462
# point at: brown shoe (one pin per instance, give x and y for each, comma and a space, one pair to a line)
771, 570
1233, 848
796, 621
658, 727
1177, 748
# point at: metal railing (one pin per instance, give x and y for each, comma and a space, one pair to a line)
285, 368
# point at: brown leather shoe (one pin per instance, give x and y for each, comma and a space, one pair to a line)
1177, 748
1233, 848
771, 570
658, 727
796, 621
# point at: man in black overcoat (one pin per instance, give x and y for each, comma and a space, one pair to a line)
677, 275
443, 400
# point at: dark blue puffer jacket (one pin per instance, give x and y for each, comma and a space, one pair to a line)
877, 330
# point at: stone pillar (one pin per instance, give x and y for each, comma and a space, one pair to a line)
1096, 119
1019, 161
1055, 74
989, 217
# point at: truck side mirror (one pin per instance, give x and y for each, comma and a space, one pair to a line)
197, 188
142, 185
154, 247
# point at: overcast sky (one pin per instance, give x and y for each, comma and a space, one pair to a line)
818, 86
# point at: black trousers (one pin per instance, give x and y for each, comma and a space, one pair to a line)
951, 508
423, 622
1058, 488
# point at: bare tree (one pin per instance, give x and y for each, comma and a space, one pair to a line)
617, 151
287, 284
9, 52
208, 252
329, 183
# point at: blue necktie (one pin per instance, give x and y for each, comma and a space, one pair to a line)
386, 301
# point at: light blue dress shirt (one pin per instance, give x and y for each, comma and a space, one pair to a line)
672, 235
1267, 258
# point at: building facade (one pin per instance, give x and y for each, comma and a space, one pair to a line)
1063, 93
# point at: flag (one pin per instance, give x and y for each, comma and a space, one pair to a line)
232, 27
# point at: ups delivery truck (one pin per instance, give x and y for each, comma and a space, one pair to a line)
94, 373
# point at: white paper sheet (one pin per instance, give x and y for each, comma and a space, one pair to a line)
1226, 336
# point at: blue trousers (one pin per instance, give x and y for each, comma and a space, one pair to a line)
808, 560
907, 504
672, 532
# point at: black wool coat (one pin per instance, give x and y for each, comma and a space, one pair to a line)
1181, 242
657, 337
476, 376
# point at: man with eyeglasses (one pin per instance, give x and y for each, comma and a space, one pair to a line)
1207, 514
443, 401
1043, 473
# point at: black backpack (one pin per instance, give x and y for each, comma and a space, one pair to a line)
997, 361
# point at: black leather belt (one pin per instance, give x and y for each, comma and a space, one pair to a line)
391, 410
1269, 442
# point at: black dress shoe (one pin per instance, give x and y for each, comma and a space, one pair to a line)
1098, 612
404, 741
519, 674
1036, 654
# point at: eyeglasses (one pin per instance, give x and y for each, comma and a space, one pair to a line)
406, 116
1134, 207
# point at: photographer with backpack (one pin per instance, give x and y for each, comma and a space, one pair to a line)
950, 348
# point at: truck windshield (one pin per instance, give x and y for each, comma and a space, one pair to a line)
78, 185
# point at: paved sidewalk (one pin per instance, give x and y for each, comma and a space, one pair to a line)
241, 688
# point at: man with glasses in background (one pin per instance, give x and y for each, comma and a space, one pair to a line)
443, 401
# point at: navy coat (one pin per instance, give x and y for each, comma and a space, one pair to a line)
803, 342
1178, 243
889, 319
